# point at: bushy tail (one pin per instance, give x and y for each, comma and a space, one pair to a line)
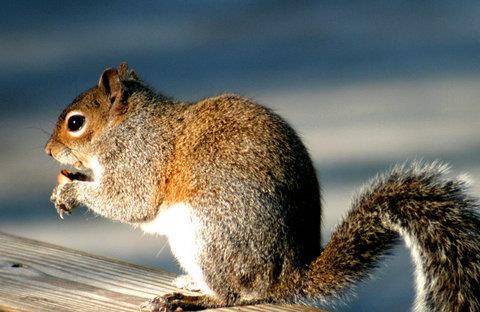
433, 214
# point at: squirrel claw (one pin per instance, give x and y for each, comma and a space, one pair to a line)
63, 210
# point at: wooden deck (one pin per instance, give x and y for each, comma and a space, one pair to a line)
36, 276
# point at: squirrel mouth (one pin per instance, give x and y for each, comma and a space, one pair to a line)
65, 176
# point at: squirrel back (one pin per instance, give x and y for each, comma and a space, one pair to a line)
233, 187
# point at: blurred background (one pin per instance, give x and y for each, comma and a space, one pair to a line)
366, 84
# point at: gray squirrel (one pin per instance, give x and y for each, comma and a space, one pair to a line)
233, 188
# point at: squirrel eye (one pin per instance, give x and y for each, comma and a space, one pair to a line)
75, 122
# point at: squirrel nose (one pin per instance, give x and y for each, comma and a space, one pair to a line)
48, 149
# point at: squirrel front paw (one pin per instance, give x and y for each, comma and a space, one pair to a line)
64, 196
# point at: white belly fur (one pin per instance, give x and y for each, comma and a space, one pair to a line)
180, 225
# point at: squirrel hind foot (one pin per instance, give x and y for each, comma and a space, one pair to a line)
178, 302
160, 304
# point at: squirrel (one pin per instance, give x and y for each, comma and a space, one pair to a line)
233, 187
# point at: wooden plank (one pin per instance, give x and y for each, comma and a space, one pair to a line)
37, 276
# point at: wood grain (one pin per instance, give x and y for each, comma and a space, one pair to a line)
37, 276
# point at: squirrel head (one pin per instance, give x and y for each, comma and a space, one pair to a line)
90, 115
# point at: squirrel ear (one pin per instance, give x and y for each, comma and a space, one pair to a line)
125, 73
123, 70
111, 85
